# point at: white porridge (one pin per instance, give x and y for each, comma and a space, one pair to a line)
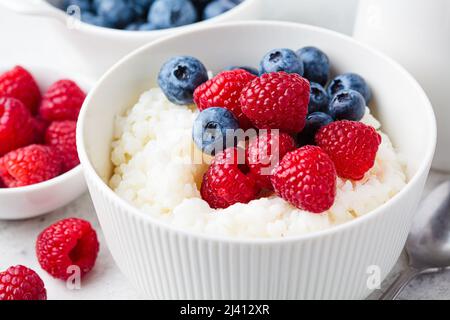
152, 153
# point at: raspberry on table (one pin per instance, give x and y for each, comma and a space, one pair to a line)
18, 83
351, 145
264, 152
227, 181
62, 136
69, 242
277, 101
224, 91
306, 178
21, 283
29, 165
16, 125
62, 101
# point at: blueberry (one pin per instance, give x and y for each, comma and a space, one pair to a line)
214, 130
347, 105
172, 13
133, 26
180, 76
314, 122
248, 69
118, 13
281, 60
316, 64
141, 7
95, 5
319, 99
95, 20
147, 27
84, 5
350, 81
217, 7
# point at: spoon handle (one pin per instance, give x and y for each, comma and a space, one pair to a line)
400, 283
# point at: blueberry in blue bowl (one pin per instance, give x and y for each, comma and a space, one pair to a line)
214, 130
180, 76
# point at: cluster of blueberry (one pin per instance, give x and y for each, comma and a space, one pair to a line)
344, 98
305, 132
147, 15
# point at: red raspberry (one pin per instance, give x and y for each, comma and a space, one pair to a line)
29, 165
277, 101
224, 91
264, 152
62, 101
40, 128
227, 182
19, 83
306, 178
16, 125
62, 136
69, 242
351, 145
21, 283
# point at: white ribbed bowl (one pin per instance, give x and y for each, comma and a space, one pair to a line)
168, 263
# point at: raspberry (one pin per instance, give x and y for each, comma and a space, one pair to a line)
227, 182
62, 101
29, 165
19, 83
351, 145
306, 178
16, 125
69, 242
21, 283
277, 101
264, 152
62, 136
224, 91
40, 128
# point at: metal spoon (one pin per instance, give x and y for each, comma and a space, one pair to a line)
428, 244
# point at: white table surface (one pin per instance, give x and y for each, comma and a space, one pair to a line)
25, 41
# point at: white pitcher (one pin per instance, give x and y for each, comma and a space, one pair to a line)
417, 34
331, 14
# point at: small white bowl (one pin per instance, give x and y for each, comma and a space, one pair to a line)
165, 262
99, 48
38, 199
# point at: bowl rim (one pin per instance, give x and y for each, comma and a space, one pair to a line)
222, 18
130, 209
66, 176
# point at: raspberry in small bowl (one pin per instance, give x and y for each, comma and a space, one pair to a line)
39, 165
